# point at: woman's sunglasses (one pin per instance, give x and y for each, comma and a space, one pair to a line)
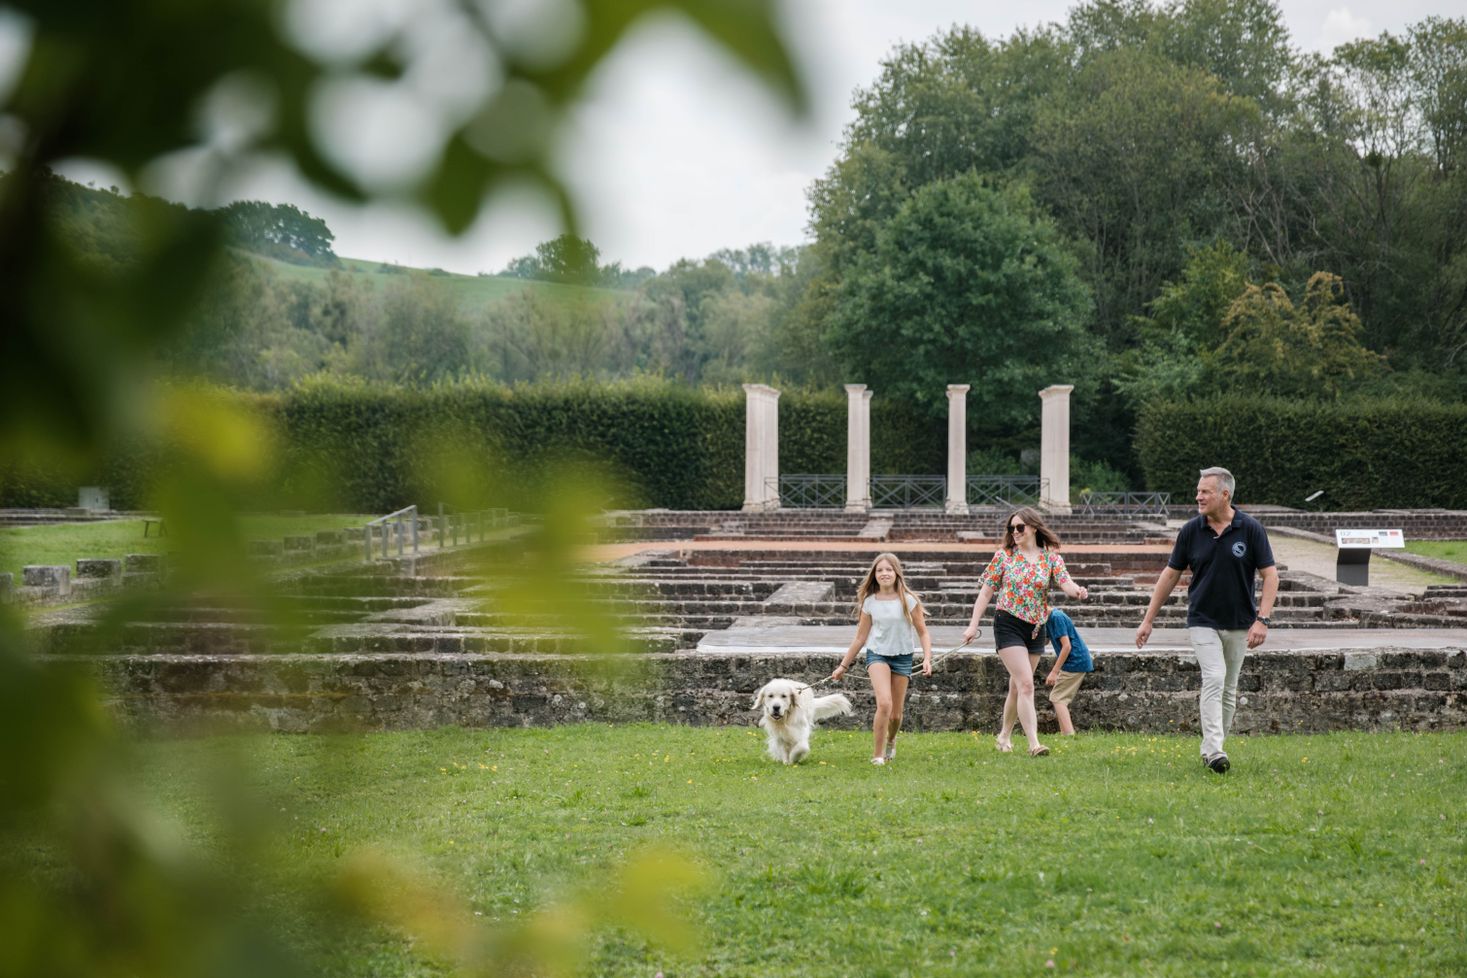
1016, 527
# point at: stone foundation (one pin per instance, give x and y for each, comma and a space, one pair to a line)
1280, 692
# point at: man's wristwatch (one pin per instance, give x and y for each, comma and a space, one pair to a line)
1264, 620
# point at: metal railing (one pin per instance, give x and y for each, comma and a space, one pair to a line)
1124, 505
908, 491
828, 491
402, 524
810, 491
1006, 490
451, 526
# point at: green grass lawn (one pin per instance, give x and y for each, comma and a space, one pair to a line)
1441, 549
63, 543
1117, 856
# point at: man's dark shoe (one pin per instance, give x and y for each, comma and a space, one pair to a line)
1217, 763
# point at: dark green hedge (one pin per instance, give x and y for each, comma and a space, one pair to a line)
1363, 454
374, 449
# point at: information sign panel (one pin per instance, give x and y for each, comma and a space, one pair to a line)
1352, 564
1370, 539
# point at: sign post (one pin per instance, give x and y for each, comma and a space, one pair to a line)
1352, 565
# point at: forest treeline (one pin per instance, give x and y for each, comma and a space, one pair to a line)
1149, 202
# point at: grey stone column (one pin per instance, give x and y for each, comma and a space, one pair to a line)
858, 448
1054, 448
957, 449
761, 448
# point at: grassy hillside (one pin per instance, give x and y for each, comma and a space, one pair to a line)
475, 292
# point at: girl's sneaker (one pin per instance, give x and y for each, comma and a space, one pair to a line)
878, 761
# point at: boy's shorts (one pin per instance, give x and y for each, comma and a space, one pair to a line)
1066, 687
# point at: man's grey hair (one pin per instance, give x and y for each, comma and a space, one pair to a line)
1224, 478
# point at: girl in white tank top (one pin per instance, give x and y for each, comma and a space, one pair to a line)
890, 624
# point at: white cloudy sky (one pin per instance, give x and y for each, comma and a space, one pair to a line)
676, 154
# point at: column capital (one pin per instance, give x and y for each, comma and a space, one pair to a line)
1055, 390
958, 389
761, 389
854, 388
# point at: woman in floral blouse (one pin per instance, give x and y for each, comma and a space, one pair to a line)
1020, 573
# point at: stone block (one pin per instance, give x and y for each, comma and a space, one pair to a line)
299, 544
51, 578
7, 585
142, 563
98, 567
1334, 682
264, 548
354, 534
330, 538
93, 499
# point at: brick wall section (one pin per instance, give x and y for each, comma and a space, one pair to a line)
1291, 692
1421, 524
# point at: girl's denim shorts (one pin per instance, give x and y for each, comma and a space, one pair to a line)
901, 665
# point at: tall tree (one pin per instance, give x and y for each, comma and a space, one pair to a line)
1137, 161
1311, 350
420, 335
279, 231
1244, 44
535, 337
955, 104
568, 258
966, 284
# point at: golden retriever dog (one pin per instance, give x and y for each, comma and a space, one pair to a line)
790, 712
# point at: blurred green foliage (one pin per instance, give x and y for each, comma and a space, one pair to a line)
92, 883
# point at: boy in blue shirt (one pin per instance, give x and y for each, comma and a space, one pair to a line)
1071, 662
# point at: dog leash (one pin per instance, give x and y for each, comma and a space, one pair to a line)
915, 672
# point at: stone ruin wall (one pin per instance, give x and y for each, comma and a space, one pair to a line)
1280, 692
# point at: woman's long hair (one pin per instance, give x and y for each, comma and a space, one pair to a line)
1046, 538
869, 586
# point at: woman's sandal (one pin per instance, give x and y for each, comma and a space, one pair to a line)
1004, 746
1040, 751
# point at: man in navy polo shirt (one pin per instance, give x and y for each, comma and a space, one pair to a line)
1224, 548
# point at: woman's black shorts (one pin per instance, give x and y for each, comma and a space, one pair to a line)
1011, 630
